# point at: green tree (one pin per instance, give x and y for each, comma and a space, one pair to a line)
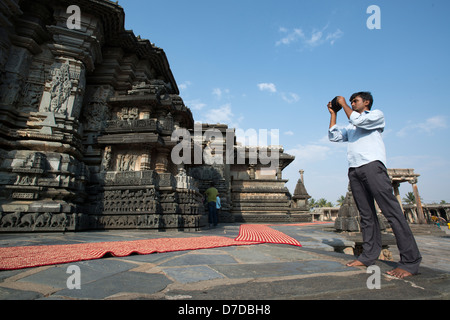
340, 201
409, 198
322, 202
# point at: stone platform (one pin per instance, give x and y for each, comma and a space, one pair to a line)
234, 275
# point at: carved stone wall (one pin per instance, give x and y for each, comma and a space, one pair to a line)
86, 116
86, 122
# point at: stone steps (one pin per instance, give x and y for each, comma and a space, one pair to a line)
427, 229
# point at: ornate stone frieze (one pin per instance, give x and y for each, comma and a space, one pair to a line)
136, 125
126, 201
39, 221
131, 178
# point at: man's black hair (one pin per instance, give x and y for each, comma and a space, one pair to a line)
366, 96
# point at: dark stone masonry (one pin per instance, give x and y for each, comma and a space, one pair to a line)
88, 113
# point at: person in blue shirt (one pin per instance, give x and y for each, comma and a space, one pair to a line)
369, 181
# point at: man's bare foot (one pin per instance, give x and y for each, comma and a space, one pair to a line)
399, 273
355, 263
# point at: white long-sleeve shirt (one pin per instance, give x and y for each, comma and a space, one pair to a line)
364, 137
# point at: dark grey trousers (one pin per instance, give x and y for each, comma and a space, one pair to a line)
371, 182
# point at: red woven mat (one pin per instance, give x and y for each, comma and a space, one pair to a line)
34, 256
264, 234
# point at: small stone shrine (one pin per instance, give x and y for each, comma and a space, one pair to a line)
87, 116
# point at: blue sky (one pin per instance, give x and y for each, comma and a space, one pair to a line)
274, 65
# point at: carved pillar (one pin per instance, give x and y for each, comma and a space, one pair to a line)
146, 159
106, 160
414, 215
279, 173
252, 169
162, 160
420, 214
396, 185
447, 214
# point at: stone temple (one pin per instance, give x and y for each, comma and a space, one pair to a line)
88, 113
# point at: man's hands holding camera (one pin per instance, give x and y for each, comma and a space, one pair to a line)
336, 104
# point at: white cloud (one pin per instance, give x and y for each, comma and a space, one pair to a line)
310, 153
258, 137
184, 85
217, 92
438, 122
195, 104
289, 133
429, 126
222, 114
316, 38
290, 97
220, 92
267, 87
292, 36
332, 37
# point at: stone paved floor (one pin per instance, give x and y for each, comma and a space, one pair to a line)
261, 272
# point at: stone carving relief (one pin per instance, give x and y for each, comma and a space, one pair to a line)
126, 162
155, 86
129, 201
106, 159
65, 90
28, 175
128, 114
35, 221
34, 162
131, 178
61, 87
96, 112
31, 95
147, 221
184, 181
167, 122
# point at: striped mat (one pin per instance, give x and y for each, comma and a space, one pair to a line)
34, 256
12, 258
264, 234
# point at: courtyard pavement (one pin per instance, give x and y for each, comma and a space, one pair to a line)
260, 272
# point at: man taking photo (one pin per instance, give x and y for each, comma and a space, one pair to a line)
369, 181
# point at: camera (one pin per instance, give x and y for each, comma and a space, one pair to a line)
335, 105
